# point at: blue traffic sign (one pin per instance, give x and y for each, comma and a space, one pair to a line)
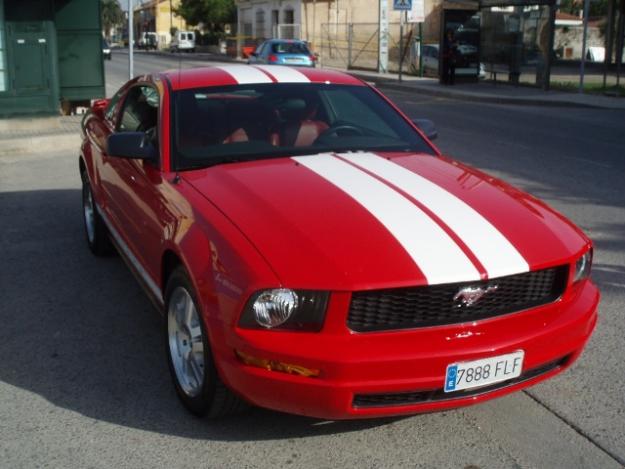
402, 5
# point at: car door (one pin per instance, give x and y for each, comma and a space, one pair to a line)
98, 128
132, 183
258, 58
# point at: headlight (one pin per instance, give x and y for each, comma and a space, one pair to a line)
582, 266
283, 308
274, 307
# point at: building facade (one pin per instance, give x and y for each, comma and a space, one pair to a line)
339, 30
158, 16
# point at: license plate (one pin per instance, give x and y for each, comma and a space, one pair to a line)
292, 60
473, 374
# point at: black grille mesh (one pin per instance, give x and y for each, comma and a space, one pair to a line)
402, 308
433, 395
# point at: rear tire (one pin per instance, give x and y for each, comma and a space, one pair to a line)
96, 232
189, 355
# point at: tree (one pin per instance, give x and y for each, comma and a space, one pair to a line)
573, 7
112, 15
212, 13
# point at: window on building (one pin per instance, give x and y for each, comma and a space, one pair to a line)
289, 16
3, 55
260, 23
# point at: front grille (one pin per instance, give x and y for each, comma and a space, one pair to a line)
434, 395
434, 305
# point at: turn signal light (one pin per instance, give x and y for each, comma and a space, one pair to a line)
273, 365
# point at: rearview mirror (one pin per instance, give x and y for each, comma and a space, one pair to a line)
133, 145
427, 127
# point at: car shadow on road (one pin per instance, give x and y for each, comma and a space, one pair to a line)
79, 332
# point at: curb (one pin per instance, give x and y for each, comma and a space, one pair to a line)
186, 56
441, 93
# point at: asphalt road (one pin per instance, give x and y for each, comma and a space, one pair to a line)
83, 379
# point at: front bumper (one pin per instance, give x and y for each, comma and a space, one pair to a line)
359, 371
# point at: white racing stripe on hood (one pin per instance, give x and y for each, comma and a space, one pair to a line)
498, 256
244, 74
434, 252
284, 74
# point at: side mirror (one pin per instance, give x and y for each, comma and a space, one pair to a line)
427, 127
98, 106
254, 54
132, 145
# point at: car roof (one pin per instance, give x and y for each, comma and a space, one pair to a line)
240, 74
287, 41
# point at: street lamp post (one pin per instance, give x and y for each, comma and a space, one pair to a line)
131, 65
585, 34
171, 19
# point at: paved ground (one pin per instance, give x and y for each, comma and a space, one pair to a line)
486, 91
83, 380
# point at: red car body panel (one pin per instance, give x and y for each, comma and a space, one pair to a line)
242, 227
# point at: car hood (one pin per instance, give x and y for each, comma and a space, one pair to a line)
364, 220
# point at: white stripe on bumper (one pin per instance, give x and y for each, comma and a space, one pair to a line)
434, 252
498, 256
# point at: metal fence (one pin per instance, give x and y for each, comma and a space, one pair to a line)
287, 31
356, 45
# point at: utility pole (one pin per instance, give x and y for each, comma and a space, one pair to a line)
401, 45
607, 59
171, 16
583, 61
131, 37
383, 37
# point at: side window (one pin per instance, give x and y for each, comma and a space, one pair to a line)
140, 111
111, 109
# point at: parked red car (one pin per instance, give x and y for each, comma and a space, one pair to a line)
314, 253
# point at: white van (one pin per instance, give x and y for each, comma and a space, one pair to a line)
183, 41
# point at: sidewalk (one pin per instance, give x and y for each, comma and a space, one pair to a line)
488, 92
19, 135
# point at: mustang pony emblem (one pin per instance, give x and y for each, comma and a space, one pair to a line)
468, 296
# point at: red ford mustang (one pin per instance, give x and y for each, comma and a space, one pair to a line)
314, 253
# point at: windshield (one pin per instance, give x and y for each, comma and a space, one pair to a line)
289, 48
258, 121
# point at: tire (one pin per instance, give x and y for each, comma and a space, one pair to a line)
195, 376
96, 232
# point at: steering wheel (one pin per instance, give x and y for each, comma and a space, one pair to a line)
341, 128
